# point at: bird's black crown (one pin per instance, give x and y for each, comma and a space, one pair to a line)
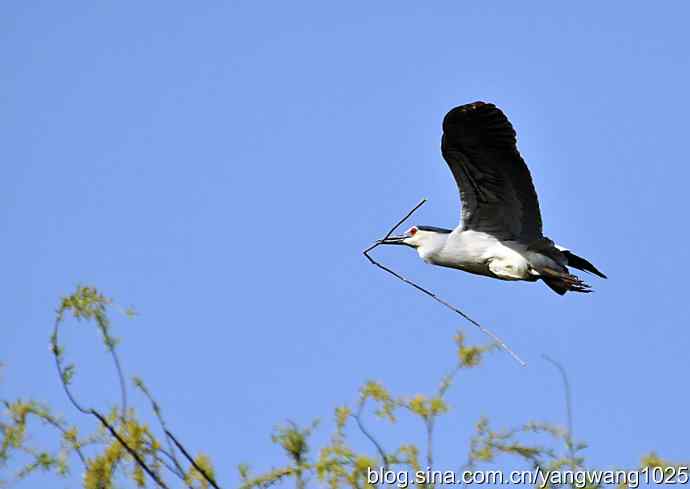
434, 229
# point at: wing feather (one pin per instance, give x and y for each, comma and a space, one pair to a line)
496, 188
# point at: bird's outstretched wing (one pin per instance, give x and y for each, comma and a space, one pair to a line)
496, 188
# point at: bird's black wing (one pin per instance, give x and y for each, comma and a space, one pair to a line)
496, 188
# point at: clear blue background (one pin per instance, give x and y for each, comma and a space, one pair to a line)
220, 166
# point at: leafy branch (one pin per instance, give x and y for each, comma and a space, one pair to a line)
87, 304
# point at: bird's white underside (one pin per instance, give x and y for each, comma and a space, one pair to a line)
483, 254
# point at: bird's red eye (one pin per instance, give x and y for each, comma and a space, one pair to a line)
412, 231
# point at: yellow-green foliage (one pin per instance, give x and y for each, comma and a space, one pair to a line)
17, 414
195, 478
342, 414
104, 457
108, 459
293, 440
338, 465
425, 407
378, 393
652, 460
471, 356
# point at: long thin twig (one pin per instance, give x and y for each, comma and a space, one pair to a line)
164, 426
484, 330
75, 444
568, 407
370, 437
123, 386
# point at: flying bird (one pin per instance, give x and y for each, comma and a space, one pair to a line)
500, 234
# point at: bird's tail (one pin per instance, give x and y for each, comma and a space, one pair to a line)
562, 282
581, 264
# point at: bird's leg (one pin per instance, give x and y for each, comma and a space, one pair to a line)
573, 282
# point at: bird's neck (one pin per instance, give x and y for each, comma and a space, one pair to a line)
432, 247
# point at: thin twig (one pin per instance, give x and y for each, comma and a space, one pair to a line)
431, 421
123, 386
430, 443
191, 460
370, 437
75, 444
484, 330
167, 465
61, 371
164, 426
568, 407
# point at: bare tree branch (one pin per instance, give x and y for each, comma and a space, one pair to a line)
370, 437
568, 408
159, 415
191, 460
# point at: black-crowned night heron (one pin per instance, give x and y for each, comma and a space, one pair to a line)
501, 231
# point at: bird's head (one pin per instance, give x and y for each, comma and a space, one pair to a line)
420, 237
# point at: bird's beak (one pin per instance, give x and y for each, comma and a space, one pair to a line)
394, 240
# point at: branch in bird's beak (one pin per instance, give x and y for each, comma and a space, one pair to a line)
394, 240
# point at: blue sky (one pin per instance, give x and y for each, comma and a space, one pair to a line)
221, 166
